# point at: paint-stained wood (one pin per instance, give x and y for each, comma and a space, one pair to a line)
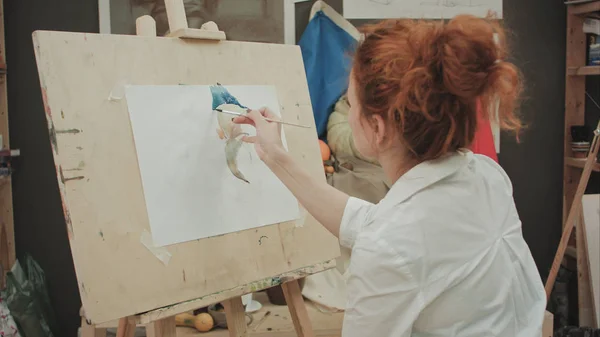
103, 201
7, 230
235, 292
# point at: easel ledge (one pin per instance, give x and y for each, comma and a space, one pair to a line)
204, 301
234, 312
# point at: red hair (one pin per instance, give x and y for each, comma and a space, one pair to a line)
425, 79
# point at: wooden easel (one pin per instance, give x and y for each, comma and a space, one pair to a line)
81, 189
7, 237
575, 213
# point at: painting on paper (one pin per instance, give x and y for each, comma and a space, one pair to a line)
227, 130
200, 179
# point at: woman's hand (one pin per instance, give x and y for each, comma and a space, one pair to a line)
320, 199
267, 141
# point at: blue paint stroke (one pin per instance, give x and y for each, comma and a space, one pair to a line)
221, 96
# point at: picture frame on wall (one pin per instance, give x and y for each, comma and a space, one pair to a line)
247, 20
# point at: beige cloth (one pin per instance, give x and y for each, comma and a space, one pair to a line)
339, 134
365, 181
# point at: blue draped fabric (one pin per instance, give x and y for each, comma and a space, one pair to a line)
326, 51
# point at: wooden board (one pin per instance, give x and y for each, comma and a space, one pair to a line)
100, 183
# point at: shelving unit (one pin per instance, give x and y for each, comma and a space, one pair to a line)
575, 95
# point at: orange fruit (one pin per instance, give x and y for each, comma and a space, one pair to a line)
325, 150
204, 322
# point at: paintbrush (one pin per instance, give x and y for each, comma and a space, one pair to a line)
266, 118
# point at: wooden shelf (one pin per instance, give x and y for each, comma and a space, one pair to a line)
583, 71
580, 163
587, 8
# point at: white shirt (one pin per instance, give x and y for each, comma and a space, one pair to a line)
442, 255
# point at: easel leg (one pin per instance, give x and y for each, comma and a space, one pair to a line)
126, 327
162, 328
236, 317
89, 330
295, 302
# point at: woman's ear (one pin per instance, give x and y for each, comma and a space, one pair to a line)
379, 129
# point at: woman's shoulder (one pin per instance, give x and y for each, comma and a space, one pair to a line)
446, 204
396, 228
419, 204
490, 169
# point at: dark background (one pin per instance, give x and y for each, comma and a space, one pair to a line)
535, 165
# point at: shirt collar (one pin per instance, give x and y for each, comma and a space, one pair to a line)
426, 174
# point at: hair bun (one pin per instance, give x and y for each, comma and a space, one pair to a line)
468, 57
434, 75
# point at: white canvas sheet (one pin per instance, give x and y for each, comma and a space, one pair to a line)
189, 190
426, 9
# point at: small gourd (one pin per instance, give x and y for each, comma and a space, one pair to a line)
203, 322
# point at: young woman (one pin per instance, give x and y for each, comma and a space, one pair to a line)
442, 255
